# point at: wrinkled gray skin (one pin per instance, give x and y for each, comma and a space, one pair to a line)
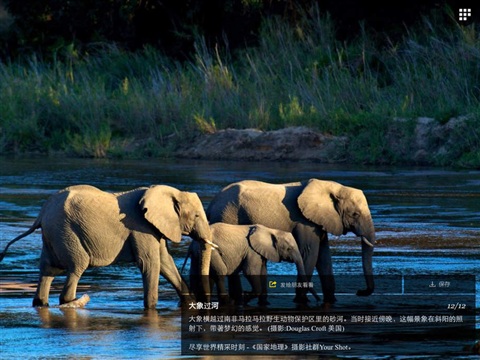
244, 248
84, 227
309, 210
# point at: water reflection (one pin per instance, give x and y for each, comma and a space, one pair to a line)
71, 319
84, 319
94, 333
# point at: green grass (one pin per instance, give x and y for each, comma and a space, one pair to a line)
105, 102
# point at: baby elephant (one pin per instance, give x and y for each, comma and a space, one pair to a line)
244, 248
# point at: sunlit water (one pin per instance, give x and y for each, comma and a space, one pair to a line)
427, 221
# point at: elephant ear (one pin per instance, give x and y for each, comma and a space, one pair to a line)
264, 243
318, 203
160, 207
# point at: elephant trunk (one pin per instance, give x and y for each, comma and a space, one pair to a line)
206, 256
301, 293
203, 235
366, 231
298, 261
367, 255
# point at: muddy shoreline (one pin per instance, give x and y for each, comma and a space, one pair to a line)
423, 141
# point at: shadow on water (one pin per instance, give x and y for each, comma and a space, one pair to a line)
427, 222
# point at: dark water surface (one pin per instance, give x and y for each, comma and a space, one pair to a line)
427, 221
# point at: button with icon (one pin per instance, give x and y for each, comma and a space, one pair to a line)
464, 14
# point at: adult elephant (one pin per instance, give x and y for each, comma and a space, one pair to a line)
244, 248
83, 227
309, 210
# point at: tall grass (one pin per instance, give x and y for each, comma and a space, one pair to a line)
107, 102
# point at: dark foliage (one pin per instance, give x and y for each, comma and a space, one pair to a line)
47, 26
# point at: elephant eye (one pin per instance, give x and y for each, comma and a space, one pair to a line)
356, 215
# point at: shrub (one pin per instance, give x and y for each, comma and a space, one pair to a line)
97, 102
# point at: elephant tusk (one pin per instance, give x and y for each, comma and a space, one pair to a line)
364, 239
214, 246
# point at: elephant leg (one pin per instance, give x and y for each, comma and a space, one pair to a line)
47, 274
325, 271
308, 243
149, 264
78, 262
69, 292
255, 271
150, 286
170, 272
258, 284
194, 278
235, 288
195, 286
223, 297
43, 291
263, 285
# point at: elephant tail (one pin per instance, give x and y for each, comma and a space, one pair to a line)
37, 224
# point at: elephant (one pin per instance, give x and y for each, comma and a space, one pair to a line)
309, 210
83, 226
244, 248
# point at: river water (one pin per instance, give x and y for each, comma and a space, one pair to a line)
427, 222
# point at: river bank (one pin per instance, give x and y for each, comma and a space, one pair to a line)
421, 141
414, 102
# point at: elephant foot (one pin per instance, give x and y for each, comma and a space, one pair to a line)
326, 305
225, 300
248, 296
328, 301
77, 303
301, 299
365, 292
186, 299
331, 299
39, 303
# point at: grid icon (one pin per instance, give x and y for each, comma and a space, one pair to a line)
464, 14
